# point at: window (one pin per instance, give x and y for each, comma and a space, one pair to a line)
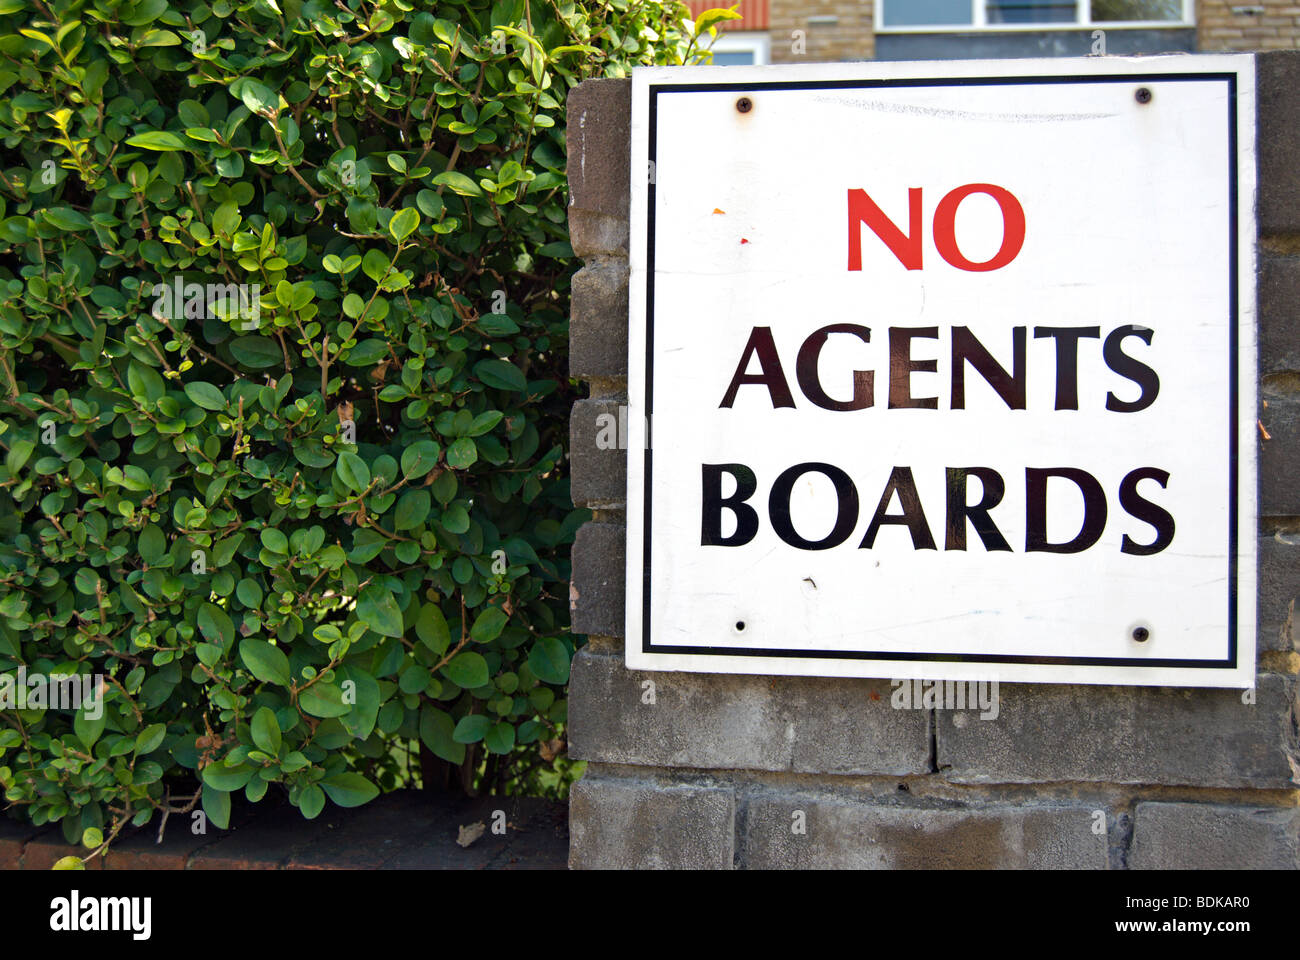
1031, 11
927, 13
740, 48
924, 15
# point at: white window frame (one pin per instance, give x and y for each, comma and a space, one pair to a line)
1082, 21
757, 42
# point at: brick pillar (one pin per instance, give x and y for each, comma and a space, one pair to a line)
598, 141
851, 37
703, 770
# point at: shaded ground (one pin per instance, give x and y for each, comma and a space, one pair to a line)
403, 830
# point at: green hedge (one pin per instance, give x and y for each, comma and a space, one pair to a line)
298, 534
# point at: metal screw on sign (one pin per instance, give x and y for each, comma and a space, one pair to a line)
744, 105
1140, 634
1143, 95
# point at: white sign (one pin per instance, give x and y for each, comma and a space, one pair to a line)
948, 368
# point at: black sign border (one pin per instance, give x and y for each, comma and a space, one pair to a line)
655, 90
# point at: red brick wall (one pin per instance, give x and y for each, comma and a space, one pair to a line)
754, 13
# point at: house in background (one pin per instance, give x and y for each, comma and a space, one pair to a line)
792, 31
744, 41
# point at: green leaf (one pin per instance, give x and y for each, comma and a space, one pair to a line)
352, 470
249, 593
430, 204
160, 38
144, 12
501, 738
362, 715
153, 545
497, 325
472, 729
436, 732
468, 670
404, 223
275, 541
549, 660
216, 804
521, 551
215, 625
220, 777
205, 395
311, 801
256, 352
462, 454
419, 458
501, 374
20, 451
87, 728
414, 679
431, 628
412, 509
483, 423
374, 265
488, 625
149, 739
368, 352
455, 520
258, 97
226, 219
377, 609
266, 731
349, 789
312, 541
86, 580
560, 250
68, 863
134, 478
265, 662
324, 700
459, 183
157, 140
145, 382
223, 551
65, 218
708, 18
92, 837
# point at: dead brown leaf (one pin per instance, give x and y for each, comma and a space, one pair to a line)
469, 832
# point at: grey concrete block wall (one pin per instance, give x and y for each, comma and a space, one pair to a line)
598, 115
1279, 292
801, 724
598, 338
794, 830
1211, 836
596, 591
1278, 82
1279, 585
596, 450
701, 770
649, 825
1127, 735
1280, 454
